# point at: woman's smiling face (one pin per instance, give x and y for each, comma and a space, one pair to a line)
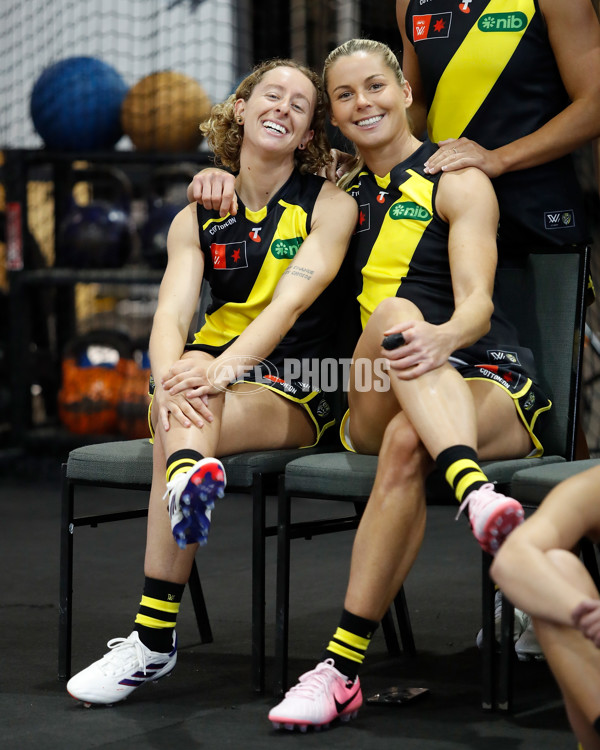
367, 103
278, 113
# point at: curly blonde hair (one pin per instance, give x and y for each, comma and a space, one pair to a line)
350, 47
224, 134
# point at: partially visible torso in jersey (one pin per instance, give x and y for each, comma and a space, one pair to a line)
246, 255
489, 74
400, 247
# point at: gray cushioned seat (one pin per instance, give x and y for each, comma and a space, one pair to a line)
533, 484
130, 462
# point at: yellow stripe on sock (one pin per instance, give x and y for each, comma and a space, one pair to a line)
356, 641
467, 481
347, 653
458, 466
160, 604
177, 467
152, 622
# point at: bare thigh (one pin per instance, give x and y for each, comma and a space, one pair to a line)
500, 431
255, 418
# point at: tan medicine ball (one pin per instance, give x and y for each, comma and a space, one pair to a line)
163, 111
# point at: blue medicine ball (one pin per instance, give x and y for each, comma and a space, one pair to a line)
76, 104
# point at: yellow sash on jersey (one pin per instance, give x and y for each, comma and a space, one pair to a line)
457, 97
392, 252
231, 319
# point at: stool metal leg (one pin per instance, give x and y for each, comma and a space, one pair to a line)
389, 633
282, 590
200, 610
258, 583
404, 625
507, 655
65, 605
488, 645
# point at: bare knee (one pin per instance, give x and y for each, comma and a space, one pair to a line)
392, 310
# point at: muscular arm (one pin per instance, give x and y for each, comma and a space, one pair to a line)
467, 201
523, 569
574, 34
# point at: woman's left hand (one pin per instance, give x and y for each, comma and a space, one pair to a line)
454, 154
188, 372
425, 349
195, 377
586, 618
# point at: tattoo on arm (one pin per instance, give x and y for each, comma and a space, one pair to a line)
300, 271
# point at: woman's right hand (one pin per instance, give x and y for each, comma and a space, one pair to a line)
215, 190
188, 412
425, 348
338, 167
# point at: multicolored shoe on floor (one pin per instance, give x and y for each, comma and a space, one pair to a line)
321, 695
527, 646
192, 497
520, 622
492, 516
128, 665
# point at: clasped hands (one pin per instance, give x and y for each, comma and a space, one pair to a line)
184, 391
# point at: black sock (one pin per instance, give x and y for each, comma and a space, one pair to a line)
157, 615
350, 642
461, 470
181, 461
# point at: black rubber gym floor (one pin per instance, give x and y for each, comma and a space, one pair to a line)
208, 702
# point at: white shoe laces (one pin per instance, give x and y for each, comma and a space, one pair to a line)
121, 652
177, 484
311, 684
477, 499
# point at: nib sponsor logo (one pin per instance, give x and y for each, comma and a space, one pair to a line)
516, 21
409, 210
286, 248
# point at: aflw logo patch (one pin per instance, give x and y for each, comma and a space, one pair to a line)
229, 256
432, 26
498, 355
363, 223
559, 219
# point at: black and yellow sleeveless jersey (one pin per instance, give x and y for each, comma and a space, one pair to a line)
488, 73
400, 247
246, 255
